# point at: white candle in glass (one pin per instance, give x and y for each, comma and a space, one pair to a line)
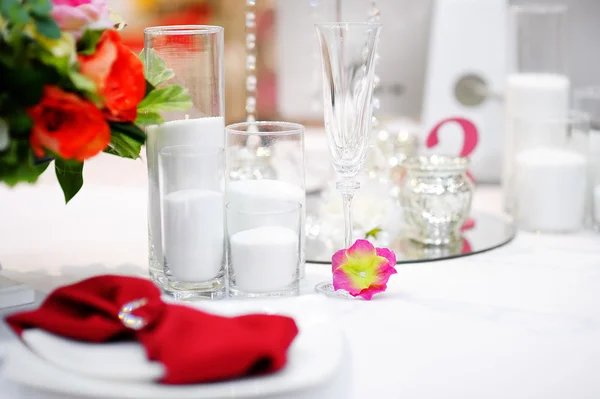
194, 234
248, 191
533, 96
264, 259
550, 189
208, 132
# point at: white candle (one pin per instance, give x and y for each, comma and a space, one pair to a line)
194, 234
208, 132
264, 259
550, 189
249, 191
534, 96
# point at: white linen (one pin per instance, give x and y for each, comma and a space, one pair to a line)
518, 322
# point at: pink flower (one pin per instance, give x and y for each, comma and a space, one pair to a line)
74, 16
362, 269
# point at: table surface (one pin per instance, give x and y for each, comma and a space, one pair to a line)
522, 321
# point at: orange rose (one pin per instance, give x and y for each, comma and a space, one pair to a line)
68, 125
118, 74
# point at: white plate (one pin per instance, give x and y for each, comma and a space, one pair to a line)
313, 370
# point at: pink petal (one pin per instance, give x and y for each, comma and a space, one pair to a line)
342, 281
361, 248
388, 254
372, 290
469, 224
338, 259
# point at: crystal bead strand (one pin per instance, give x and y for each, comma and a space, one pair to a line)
251, 60
316, 68
375, 16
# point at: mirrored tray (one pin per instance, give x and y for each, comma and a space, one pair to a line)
489, 232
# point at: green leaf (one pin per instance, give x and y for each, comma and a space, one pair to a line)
373, 233
46, 26
18, 164
148, 118
129, 130
19, 122
82, 82
123, 146
70, 176
89, 41
168, 98
156, 70
14, 11
40, 8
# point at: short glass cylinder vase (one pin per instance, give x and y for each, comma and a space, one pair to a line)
436, 197
264, 248
192, 57
191, 181
284, 143
587, 99
551, 174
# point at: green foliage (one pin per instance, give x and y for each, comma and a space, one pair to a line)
168, 98
156, 69
70, 176
126, 140
148, 118
89, 41
373, 233
19, 164
46, 27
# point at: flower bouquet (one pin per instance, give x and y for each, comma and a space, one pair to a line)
70, 89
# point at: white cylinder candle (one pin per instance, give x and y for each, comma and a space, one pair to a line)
535, 96
264, 259
208, 132
550, 189
194, 234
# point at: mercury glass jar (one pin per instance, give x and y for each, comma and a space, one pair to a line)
436, 198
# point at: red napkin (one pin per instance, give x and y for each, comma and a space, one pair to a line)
193, 346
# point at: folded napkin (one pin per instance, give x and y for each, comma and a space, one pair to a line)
193, 346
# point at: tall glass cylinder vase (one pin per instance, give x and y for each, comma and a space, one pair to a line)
587, 99
537, 85
283, 143
192, 57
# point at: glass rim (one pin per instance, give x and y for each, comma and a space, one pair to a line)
539, 9
236, 206
182, 30
348, 24
444, 163
573, 117
289, 128
189, 150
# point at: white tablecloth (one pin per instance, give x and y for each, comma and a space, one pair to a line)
522, 321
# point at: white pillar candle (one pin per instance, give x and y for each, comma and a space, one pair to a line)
264, 259
194, 234
550, 189
533, 96
207, 132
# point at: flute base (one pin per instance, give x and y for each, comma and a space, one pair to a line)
326, 288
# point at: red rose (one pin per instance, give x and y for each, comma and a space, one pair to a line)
118, 74
67, 125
